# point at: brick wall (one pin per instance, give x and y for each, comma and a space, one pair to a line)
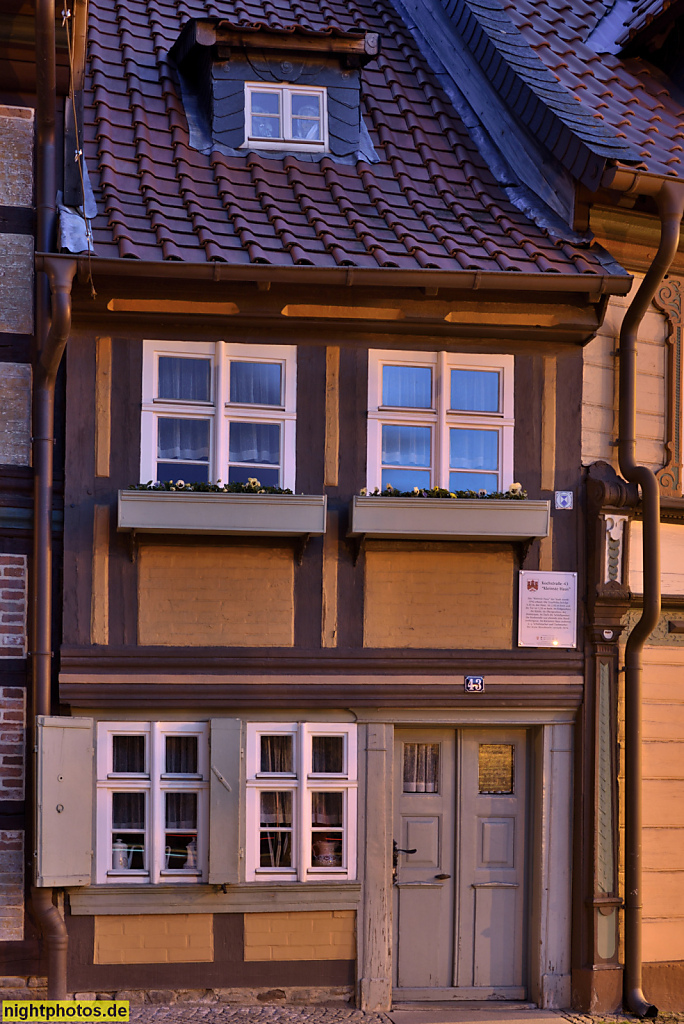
154, 938
11, 885
301, 935
12, 740
13, 604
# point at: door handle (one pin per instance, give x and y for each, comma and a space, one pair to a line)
442, 877
396, 850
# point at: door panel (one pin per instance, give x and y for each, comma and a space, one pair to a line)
491, 829
424, 813
459, 895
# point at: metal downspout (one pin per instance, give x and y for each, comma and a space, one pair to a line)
53, 321
670, 201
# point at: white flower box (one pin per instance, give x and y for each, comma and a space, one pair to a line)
496, 519
209, 512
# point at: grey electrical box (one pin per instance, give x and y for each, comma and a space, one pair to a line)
64, 804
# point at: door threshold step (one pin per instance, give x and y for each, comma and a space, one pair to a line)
464, 1004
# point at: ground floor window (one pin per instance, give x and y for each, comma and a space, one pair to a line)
301, 801
152, 797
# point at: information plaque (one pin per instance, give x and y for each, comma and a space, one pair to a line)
547, 609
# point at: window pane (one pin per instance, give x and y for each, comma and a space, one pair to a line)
475, 390
326, 851
306, 128
128, 852
189, 473
406, 479
306, 105
327, 809
128, 754
265, 102
256, 383
496, 768
327, 754
407, 386
421, 767
276, 754
255, 442
181, 439
473, 449
128, 810
185, 380
266, 477
181, 755
405, 446
180, 851
275, 849
276, 809
181, 810
474, 482
264, 127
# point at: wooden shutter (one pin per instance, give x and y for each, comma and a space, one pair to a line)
226, 801
64, 810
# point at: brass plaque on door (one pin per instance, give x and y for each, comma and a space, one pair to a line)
496, 768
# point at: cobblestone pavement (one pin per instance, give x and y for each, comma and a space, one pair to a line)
189, 1013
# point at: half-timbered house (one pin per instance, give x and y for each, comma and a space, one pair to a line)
338, 287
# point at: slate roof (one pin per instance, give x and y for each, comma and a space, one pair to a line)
430, 201
629, 96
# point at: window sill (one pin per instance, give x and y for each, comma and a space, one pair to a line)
485, 519
211, 513
198, 898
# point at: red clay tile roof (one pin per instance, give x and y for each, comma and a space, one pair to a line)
429, 202
629, 95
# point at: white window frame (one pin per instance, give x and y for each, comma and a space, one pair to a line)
155, 783
220, 410
286, 141
440, 417
301, 783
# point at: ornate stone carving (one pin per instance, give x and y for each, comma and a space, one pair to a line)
614, 547
668, 300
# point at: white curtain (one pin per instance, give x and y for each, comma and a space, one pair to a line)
181, 755
181, 440
185, 380
405, 446
475, 390
181, 810
276, 755
474, 449
255, 442
408, 387
421, 767
255, 383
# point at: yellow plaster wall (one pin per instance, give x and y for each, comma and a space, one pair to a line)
154, 939
216, 595
305, 935
424, 597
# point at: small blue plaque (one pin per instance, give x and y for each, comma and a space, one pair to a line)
474, 684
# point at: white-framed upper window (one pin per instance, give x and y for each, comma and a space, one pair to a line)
440, 419
152, 802
219, 411
286, 115
301, 801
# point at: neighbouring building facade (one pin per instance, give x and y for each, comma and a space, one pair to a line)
303, 738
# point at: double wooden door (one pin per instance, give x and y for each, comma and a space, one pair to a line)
460, 854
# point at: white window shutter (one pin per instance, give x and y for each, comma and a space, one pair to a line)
64, 811
226, 801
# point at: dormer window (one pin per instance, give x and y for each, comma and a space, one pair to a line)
285, 115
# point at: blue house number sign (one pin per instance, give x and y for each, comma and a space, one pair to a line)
474, 684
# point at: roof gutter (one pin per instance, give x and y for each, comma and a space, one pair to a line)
390, 277
669, 196
53, 320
